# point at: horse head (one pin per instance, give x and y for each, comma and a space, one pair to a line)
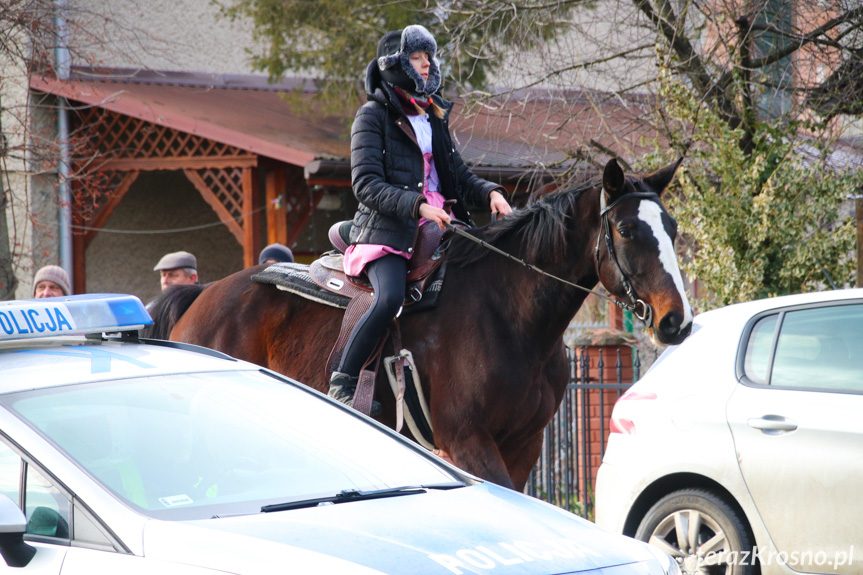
635, 257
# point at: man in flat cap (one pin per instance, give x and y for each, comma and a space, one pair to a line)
177, 268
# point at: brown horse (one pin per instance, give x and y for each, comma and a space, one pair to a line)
490, 356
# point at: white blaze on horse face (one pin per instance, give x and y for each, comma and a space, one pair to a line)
650, 213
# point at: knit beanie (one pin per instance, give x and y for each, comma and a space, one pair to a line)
394, 59
276, 252
54, 274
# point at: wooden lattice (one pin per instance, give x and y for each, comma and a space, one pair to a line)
223, 190
90, 191
227, 186
116, 136
110, 149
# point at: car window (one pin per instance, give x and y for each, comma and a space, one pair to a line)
197, 445
817, 348
46, 508
758, 352
10, 473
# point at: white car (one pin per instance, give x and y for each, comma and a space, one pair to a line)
743, 446
122, 456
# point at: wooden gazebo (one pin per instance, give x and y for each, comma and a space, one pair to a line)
247, 149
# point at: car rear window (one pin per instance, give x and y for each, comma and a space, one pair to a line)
814, 348
759, 350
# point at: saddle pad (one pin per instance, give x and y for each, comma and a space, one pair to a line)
295, 278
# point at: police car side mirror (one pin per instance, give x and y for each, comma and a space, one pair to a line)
13, 524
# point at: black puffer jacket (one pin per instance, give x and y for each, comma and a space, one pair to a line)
387, 169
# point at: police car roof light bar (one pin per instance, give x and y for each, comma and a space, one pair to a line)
72, 315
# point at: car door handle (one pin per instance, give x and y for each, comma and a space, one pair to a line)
774, 423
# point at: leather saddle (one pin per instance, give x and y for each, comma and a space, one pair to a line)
328, 270
424, 276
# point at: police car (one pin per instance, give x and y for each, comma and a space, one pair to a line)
124, 456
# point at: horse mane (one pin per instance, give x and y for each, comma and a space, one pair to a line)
540, 228
167, 309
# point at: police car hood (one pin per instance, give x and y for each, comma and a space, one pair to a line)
483, 528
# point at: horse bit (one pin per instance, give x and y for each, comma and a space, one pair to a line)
638, 307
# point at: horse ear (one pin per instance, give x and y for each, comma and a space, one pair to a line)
612, 178
660, 179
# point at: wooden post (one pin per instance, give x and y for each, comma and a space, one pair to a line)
277, 204
251, 223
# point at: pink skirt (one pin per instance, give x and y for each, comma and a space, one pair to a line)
357, 256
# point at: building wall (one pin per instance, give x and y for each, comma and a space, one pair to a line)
157, 34
184, 35
28, 177
121, 257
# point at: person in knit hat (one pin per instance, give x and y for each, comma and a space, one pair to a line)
404, 166
51, 281
276, 253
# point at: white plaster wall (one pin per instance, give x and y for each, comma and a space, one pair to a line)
15, 120
171, 35
596, 31
175, 35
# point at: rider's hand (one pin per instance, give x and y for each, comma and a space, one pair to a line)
435, 215
498, 204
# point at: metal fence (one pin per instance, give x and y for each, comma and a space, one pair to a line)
575, 439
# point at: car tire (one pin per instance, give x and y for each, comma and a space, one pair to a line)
721, 544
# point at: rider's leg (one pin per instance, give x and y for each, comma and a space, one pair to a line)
388, 277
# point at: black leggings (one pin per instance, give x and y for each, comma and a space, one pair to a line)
389, 278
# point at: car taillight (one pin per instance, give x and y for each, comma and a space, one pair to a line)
620, 425
627, 426
635, 394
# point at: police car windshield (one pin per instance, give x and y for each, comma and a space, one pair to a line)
195, 446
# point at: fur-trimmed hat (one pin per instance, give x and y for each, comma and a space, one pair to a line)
54, 274
394, 59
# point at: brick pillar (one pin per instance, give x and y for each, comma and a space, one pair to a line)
615, 317
597, 404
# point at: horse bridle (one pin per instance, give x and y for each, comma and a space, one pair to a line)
638, 307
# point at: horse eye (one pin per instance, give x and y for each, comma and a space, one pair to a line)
625, 233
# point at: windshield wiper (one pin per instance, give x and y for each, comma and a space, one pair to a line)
348, 495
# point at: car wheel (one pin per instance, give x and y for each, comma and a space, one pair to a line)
701, 532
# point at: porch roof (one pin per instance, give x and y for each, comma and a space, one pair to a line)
523, 136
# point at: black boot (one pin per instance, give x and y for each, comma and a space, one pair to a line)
343, 387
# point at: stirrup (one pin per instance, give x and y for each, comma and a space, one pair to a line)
343, 387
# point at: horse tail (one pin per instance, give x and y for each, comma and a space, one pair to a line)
168, 308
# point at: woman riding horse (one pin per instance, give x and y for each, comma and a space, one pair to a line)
404, 166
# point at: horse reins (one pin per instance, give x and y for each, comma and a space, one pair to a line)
646, 312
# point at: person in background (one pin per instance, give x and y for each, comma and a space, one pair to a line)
275, 253
177, 268
51, 281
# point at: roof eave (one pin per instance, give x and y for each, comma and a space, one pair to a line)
109, 96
